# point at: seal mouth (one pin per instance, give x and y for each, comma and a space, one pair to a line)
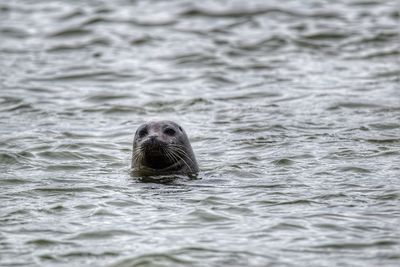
156, 155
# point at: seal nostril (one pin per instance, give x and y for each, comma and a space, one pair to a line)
152, 139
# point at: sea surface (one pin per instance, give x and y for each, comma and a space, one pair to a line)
292, 108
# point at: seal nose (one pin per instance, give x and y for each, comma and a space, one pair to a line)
152, 139
152, 143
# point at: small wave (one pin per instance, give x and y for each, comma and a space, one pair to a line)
353, 105
391, 195
79, 254
387, 74
75, 13
144, 22
100, 75
61, 155
71, 32
383, 141
7, 158
208, 216
198, 59
283, 162
102, 234
376, 54
334, 35
295, 202
236, 13
77, 45
21, 106
106, 97
13, 181
142, 40
57, 190
13, 32
96, 20
379, 37
344, 245
153, 22
286, 227
354, 169
43, 242
269, 43
385, 126
152, 259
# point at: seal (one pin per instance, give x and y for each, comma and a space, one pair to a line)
160, 148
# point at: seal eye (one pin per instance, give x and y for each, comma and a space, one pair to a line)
143, 133
169, 131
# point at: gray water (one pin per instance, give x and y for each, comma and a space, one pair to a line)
292, 108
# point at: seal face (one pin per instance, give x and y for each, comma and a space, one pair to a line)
162, 147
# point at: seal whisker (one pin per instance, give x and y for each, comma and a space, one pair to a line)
182, 151
174, 159
179, 157
136, 155
169, 156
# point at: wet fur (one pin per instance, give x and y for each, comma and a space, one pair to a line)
166, 154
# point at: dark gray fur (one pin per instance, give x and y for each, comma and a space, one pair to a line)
157, 152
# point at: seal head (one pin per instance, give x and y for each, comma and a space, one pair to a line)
162, 147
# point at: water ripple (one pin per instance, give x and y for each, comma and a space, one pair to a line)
292, 109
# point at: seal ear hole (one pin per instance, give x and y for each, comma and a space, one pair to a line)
143, 133
180, 128
169, 131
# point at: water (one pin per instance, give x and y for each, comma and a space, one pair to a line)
292, 107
